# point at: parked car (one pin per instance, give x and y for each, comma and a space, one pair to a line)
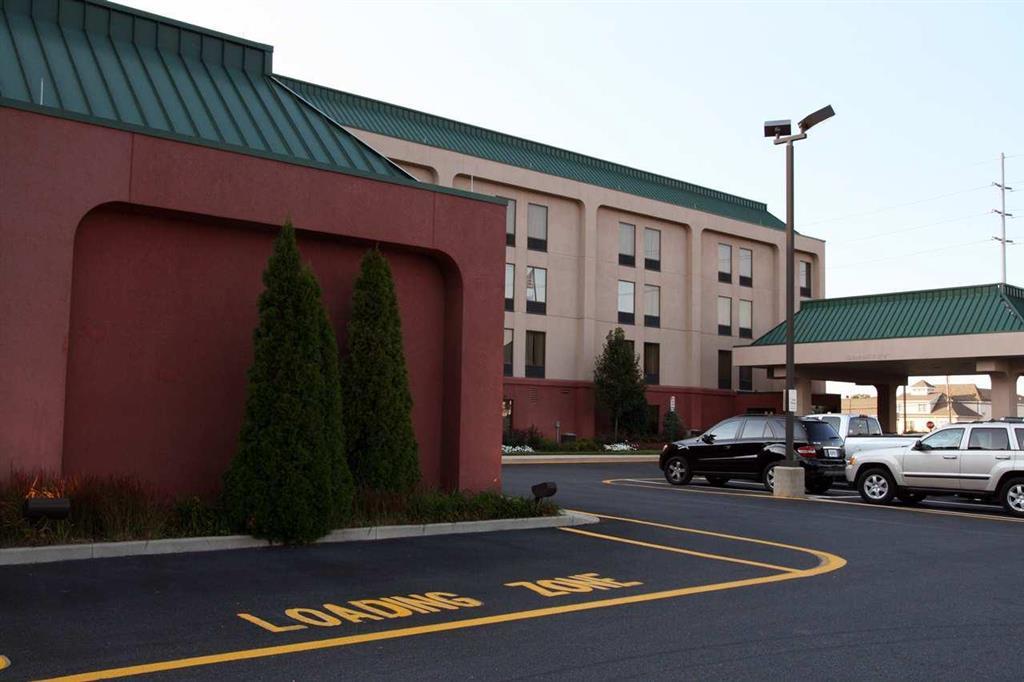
978, 459
750, 447
862, 432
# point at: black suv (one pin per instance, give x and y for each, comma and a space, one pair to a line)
750, 447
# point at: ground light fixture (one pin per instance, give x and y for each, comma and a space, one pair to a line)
54, 508
782, 130
542, 490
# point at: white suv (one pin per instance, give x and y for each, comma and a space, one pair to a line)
979, 459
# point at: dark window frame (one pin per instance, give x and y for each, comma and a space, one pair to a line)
746, 280
536, 243
652, 378
535, 371
746, 379
721, 377
510, 237
512, 348
627, 318
724, 276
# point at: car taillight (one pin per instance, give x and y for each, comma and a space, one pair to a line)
807, 451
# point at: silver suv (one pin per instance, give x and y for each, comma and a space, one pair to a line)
977, 459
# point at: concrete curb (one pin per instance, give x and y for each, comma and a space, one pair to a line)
576, 459
105, 550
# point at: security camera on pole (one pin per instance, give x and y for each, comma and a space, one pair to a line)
789, 475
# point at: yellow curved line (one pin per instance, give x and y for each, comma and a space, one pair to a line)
4, 662
827, 563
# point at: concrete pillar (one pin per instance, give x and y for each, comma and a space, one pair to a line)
1004, 394
804, 403
887, 407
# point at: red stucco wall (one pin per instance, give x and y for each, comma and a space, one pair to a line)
107, 369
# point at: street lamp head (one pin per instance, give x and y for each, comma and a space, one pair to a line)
817, 117
778, 128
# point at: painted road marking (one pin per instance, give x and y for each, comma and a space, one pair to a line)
826, 564
358, 610
583, 582
623, 482
4, 662
677, 550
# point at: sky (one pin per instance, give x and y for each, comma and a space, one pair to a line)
899, 183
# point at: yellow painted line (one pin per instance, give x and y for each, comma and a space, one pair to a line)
827, 563
4, 662
621, 482
679, 550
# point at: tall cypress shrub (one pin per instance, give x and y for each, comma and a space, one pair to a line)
619, 383
282, 484
382, 449
334, 427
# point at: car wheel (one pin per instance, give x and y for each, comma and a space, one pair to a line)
677, 471
768, 477
819, 486
717, 480
876, 486
908, 497
1012, 496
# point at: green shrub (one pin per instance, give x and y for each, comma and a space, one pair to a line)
281, 484
672, 426
518, 437
381, 444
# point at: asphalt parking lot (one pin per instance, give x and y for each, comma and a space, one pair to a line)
674, 583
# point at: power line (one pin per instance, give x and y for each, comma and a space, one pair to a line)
912, 253
891, 207
888, 233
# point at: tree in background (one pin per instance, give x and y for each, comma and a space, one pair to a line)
286, 483
672, 426
334, 425
619, 383
381, 444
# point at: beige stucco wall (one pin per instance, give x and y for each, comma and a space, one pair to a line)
583, 269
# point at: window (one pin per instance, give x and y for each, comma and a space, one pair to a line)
537, 227
510, 222
726, 430
858, 427
627, 244
510, 286
1020, 438
834, 422
535, 355
652, 249
652, 363
805, 279
627, 294
746, 378
756, 428
746, 268
947, 439
632, 348
508, 352
725, 369
988, 439
746, 319
652, 306
724, 316
536, 290
725, 263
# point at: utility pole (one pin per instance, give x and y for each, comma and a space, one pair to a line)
1003, 241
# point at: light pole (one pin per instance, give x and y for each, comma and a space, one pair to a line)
782, 132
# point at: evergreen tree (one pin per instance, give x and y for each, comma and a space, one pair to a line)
672, 426
619, 383
382, 449
282, 484
334, 426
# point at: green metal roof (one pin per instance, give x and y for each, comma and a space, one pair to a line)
394, 121
111, 65
985, 309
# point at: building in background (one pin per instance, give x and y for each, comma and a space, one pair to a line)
688, 272
926, 403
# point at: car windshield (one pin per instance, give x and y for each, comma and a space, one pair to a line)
821, 432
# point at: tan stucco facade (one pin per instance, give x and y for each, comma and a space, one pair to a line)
583, 269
